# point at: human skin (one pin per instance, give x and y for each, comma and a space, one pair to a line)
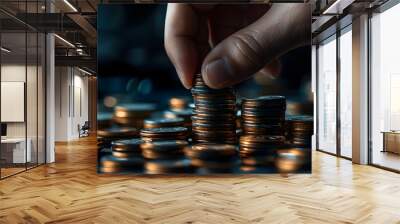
230, 43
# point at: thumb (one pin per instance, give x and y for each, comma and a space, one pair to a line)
282, 28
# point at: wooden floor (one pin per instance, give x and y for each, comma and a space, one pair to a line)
70, 191
5, 172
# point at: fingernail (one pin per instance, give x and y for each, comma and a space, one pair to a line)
218, 73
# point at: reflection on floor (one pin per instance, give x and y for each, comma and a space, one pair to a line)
10, 170
386, 159
70, 191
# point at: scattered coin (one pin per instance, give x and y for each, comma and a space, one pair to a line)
117, 133
107, 135
178, 103
163, 122
184, 113
133, 114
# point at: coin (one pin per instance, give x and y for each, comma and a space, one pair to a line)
104, 120
215, 164
163, 122
290, 160
178, 103
262, 139
265, 101
215, 158
300, 130
260, 150
134, 110
133, 114
214, 113
119, 154
185, 114
168, 133
155, 155
111, 164
127, 145
106, 136
163, 150
263, 115
267, 160
168, 166
161, 146
211, 151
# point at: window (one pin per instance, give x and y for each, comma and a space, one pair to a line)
327, 95
385, 88
346, 92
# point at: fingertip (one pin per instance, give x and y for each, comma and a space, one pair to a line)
187, 84
217, 74
186, 79
210, 83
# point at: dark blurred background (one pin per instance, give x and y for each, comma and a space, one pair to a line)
133, 65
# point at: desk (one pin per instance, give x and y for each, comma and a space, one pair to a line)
391, 141
17, 148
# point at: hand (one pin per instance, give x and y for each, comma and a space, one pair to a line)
229, 43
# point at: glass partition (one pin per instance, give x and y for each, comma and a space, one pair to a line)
385, 89
31, 98
14, 145
346, 92
22, 88
41, 97
327, 95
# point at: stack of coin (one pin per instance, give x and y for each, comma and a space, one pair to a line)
260, 150
214, 115
104, 120
168, 133
133, 114
163, 122
213, 158
300, 130
111, 164
126, 157
264, 115
107, 135
165, 157
127, 148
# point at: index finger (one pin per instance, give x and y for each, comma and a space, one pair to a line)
183, 38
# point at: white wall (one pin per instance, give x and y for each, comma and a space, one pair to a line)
12, 73
71, 102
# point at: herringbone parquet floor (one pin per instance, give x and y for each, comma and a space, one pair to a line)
70, 191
